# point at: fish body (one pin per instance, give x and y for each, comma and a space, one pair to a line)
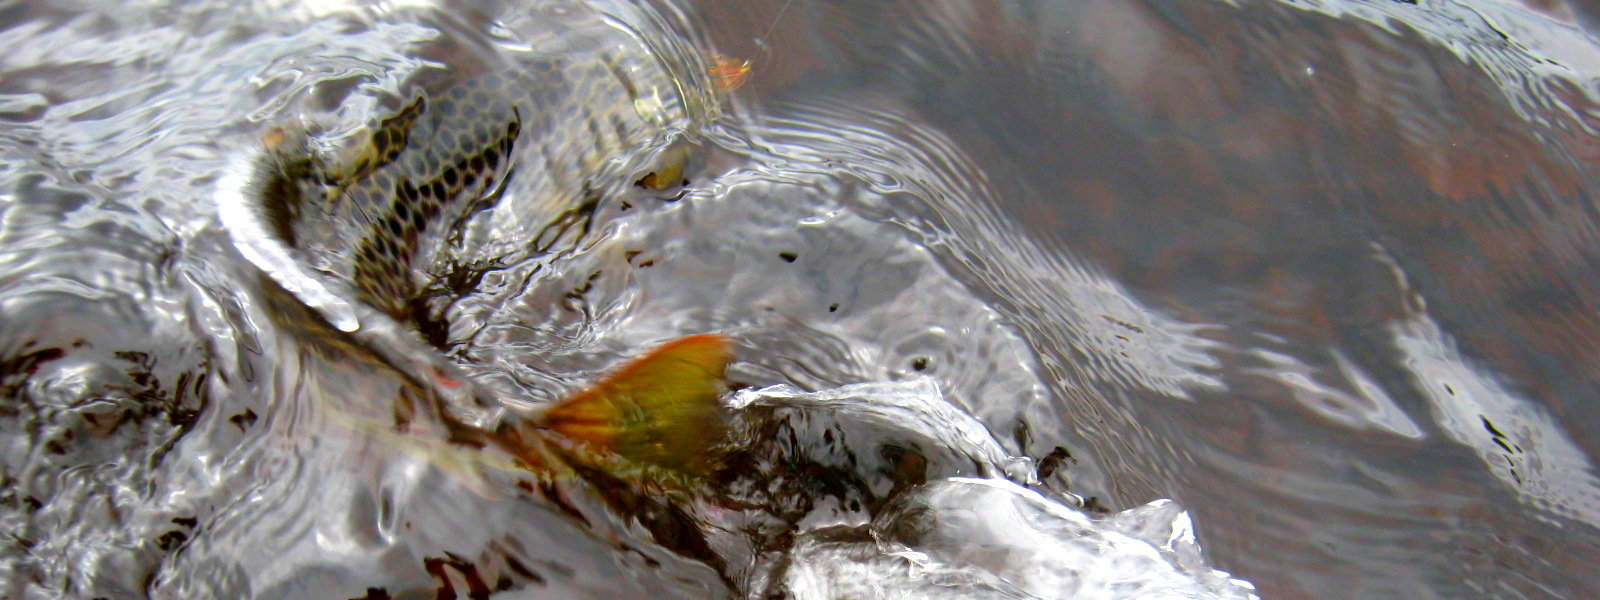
429, 182
348, 239
657, 416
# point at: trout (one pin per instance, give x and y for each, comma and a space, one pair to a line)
348, 239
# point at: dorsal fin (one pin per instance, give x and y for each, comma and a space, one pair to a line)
661, 409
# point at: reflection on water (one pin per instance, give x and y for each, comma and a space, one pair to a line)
1029, 299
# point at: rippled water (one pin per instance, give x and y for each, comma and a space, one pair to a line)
1029, 300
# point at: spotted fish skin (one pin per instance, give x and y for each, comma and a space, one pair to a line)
397, 202
364, 220
352, 230
378, 219
418, 173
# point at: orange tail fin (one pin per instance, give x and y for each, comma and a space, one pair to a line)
661, 409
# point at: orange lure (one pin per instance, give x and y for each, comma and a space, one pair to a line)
728, 73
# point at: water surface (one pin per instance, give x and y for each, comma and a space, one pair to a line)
1055, 295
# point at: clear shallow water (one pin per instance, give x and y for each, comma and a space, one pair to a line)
1317, 272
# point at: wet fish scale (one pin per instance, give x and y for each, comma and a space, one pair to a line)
385, 253
352, 227
430, 165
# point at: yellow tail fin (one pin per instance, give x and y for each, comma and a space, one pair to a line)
661, 409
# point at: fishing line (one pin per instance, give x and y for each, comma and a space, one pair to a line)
761, 41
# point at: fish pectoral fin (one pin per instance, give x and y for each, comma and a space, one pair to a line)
661, 409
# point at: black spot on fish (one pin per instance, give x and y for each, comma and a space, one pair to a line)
418, 222
788, 257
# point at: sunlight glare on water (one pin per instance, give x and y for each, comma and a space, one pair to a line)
1026, 299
